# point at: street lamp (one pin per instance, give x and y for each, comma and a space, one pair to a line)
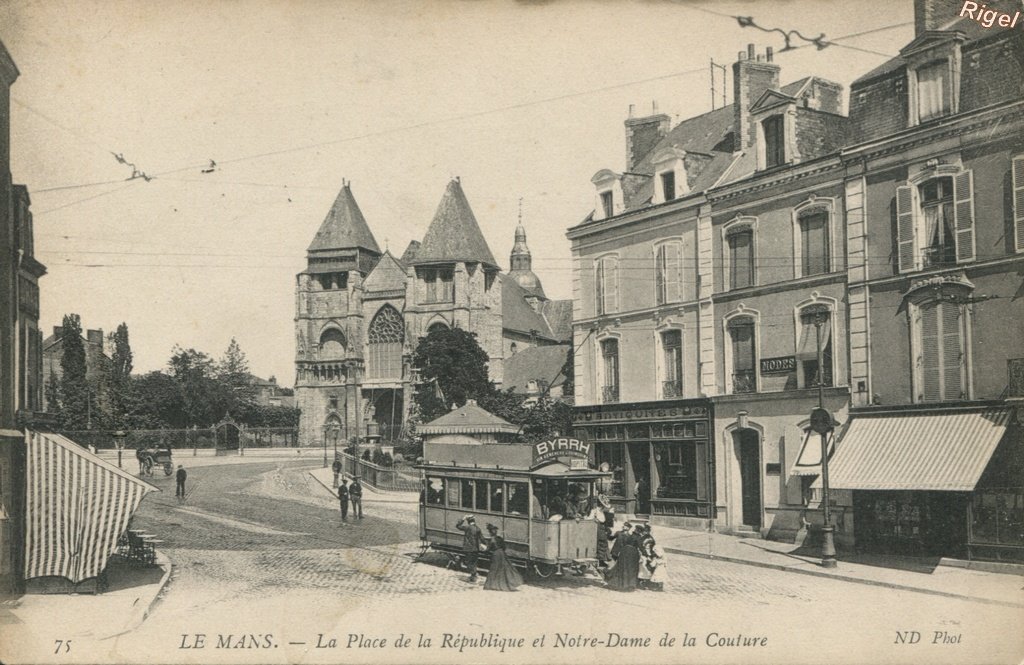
821, 422
119, 437
325, 446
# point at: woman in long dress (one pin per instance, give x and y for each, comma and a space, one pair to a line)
502, 575
623, 575
596, 513
652, 573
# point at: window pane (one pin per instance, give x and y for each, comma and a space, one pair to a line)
518, 496
932, 100
774, 141
741, 259
435, 491
744, 378
814, 242
672, 342
676, 464
607, 204
659, 275
481, 495
668, 185
467, 494
497, 492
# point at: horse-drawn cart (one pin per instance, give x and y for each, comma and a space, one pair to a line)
154, 457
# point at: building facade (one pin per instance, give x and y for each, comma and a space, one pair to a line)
21, 388
97, 365
360, 313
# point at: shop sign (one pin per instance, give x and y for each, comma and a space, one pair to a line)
640, 414
561, 447
780, 365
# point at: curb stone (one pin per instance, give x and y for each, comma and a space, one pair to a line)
141, 613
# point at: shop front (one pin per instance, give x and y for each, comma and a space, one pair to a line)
935, 482
660, 455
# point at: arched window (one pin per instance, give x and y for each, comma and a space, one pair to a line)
332, 344
807, 349
386, 336
742, 344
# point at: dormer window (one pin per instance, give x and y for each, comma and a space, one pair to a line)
774, 132
609, 200
933, 90
668, 185
608, 203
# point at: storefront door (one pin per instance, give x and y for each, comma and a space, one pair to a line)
640, 460
748, 444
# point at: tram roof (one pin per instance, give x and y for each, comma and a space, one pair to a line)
553, 470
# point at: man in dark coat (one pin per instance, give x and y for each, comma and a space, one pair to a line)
472, 539
343, 500
336, 467
355, 494
180, 477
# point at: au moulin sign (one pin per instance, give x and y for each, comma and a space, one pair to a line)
578, 451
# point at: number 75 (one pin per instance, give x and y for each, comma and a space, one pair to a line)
62, 646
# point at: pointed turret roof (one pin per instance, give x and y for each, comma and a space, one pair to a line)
454, 235
344, 227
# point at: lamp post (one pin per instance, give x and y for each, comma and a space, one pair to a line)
821, 422
119, 437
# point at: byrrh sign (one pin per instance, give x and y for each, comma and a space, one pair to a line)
561, 447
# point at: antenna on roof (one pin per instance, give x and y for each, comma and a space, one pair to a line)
715, 66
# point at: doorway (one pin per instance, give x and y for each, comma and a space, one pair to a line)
748, 450
640, 460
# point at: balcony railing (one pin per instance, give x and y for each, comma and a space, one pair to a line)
744, 381
671, 389
609, 394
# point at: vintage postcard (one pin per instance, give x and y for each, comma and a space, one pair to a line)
537, 331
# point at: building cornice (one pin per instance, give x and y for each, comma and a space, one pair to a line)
961, 268
770, 179
635, 216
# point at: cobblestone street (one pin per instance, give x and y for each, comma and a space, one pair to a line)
259, 551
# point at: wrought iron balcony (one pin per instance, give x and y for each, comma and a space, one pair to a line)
744, 381
671, 389
609, 394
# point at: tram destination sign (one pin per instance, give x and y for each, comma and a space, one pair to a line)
780, 365
551, 449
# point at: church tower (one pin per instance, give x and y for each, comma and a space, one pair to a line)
329, 324
522, 265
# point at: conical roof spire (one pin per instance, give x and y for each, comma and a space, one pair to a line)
454, 235
344, 227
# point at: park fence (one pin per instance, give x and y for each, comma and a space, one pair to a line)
398, 478
196, 438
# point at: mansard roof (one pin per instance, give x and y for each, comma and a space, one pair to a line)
344, 227
454, 235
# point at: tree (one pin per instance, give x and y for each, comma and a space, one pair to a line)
204, 399
53, 392
75, 394
155, 400
453, 369
120, 374
233, 372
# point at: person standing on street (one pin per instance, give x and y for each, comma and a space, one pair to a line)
336, 467
472, 540
343, 500
180, 477
355, 494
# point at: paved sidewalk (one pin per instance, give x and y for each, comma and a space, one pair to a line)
904, 573
370, 494
132, 590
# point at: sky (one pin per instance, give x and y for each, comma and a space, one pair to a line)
524, 101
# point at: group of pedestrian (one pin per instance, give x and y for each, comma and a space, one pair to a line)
502, 575
638, 561
350, 493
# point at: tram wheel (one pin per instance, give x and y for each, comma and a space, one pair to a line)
544, 570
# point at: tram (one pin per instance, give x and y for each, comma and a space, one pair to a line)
520, 488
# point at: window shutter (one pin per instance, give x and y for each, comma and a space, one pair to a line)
952, 352
611, 286
599, 286
931, 375
963, 213
905, 228
673, 271
660, 294
1018, 203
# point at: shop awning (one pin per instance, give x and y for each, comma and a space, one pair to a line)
943, 451
808, 463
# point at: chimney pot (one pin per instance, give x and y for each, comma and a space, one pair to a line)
750, 51
654, 107
740, 55
632, 107
769, 53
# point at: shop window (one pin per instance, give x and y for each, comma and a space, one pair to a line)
807, 351
606, 280
613, 456
814, 243
668, 260
672, 352
997, 517
741, 257
676, 466
610, 367
935, 222
435, 491
744, 355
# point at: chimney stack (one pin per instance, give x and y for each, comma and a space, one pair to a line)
642, 134
933, 14
95, 337
752, 75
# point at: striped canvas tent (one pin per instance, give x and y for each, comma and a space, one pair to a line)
77, 506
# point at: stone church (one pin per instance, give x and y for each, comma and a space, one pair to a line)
360, 312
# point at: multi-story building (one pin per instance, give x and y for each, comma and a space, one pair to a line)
20, 342
934, 194
360, 313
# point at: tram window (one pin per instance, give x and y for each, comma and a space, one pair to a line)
435, 491
496, 497
518, 498
481, 495
467, 494
453, 494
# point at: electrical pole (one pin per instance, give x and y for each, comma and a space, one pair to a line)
821, 422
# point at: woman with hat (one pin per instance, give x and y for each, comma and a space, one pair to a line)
502, 575
623, 575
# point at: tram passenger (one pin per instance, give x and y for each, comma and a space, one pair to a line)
502, 575
516, 499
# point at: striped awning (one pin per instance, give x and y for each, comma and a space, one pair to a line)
943, 451
808, 463
77, 506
